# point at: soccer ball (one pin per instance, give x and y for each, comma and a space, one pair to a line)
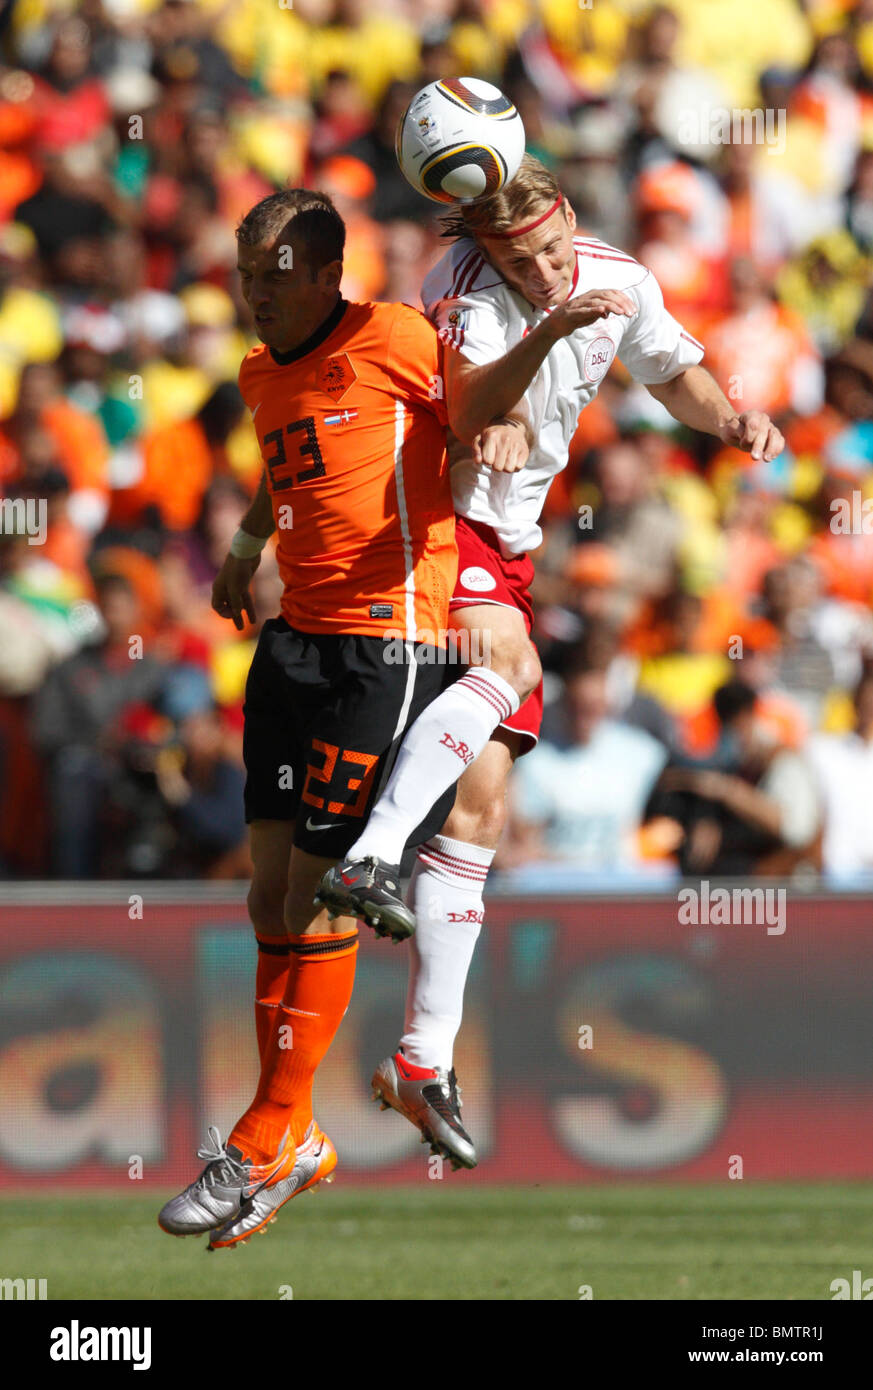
459, 140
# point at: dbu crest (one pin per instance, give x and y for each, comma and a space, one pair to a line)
337, 375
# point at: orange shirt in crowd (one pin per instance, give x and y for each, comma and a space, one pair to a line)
845, 560
20, 179
178, 467
351, 427
80, 441
694, 285
753, 356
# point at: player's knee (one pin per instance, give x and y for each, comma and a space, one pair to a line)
477, 822
266, 904
519, 664
299, 908
529, 673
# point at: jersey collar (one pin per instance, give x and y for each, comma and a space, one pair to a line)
315, 339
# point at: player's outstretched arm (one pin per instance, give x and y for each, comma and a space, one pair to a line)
476, 394
694, 398
231, 595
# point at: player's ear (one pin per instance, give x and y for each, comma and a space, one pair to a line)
570, 216
330, 275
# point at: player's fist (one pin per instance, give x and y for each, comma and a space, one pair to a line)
586, 309
502, 447
754, 433
231, 596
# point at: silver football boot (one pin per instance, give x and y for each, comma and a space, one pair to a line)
311, 1163
216, 1195
370, 890
429, 1099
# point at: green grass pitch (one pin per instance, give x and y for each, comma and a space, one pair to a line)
442, 1241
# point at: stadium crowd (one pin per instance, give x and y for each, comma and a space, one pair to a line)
704, 621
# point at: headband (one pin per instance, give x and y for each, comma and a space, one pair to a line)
520, 231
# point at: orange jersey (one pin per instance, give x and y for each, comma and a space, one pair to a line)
351, 428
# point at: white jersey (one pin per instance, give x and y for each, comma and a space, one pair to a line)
477, 314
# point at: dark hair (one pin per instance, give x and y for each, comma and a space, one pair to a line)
106, 581
733, 699
583, 658
221, 412
204, 185
865, 678
317, 225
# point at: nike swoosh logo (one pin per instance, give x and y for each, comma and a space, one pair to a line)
256, 409
310, 825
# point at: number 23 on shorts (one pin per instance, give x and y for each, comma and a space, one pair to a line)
333, 755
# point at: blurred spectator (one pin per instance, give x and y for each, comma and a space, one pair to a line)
681, 669
842, 552
633, 537
409, 253
397, 198
176, 384
657, 81
593, 177
751, 809
203, 790
843, 765
802, 664
691, 272
76, 725
599, 649
828, 95
185, 52
750, 548
579, 796
69, 97
79, 444
30, 324
760, 352
214, 157
859, 203
827, 285
209, 540
352, 187
178, 462
74, 210
342, 114
770, 214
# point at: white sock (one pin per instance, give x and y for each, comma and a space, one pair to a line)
442, 742
446, 893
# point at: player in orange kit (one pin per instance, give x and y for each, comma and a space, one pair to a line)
347, 404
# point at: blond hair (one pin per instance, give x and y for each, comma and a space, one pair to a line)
530, 192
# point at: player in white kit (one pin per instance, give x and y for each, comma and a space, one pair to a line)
534, 315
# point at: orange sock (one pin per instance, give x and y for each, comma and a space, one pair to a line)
316, 998
274, 956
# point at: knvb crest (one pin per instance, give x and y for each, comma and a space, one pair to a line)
337, 375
